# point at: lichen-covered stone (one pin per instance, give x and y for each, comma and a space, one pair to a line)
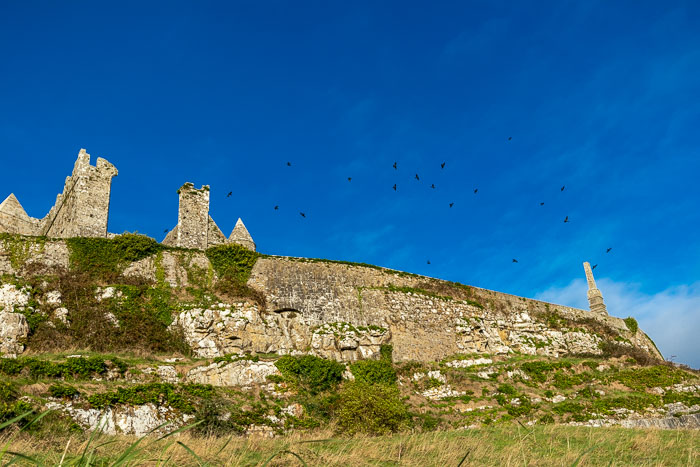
13, 331
129, 420
239, 373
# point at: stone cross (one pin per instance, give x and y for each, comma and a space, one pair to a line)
595, 298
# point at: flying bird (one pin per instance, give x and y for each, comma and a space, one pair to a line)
452, 204
289, 164
475, 190
562, 187
349, 179
567, 219
165, 231
276, 207
542, 204
594, 266
428, 261
442, 166
432, 186
510, 138
608, 250
394, 165
515, 260
417, 177
229, 194
302, 214
394, 186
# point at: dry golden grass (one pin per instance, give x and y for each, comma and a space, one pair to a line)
497, 446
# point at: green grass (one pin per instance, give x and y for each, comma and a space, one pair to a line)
545, 445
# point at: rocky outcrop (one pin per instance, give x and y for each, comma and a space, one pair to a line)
241, 373
13, 331
128, 420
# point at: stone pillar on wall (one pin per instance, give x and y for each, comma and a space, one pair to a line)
82, 210
195, 228
193, 217
595, 298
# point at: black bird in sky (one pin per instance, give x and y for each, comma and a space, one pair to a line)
276, 207
510, 138
289, 164
394, 186
594, 266
229, 194
302, 214
562, 187
432, 186
542, 204
475, 190
608, 250
349, 179
428, 261
567, 219
417, 177
515, 260
452, 204
394, 165
165, 231
442, 166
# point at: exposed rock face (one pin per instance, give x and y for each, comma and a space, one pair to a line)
241, 327
128, 420
13, 330
239, 373
11, 297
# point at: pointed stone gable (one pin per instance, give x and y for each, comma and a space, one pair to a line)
241, 236
12, 207
14, 219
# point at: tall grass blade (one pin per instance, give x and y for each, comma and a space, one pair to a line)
224, 446
8, 423
464, 458
20, 456
131, 452
581, 456
193, 454
285, 451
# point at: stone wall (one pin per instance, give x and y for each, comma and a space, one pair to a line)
347, 312
428, 319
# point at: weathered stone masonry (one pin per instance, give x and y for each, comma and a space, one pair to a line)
82, 210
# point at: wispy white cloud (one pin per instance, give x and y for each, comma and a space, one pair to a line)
670, 317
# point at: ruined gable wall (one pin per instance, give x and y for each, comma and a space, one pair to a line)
14, 220
82, 210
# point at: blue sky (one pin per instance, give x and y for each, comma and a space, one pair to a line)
599, 97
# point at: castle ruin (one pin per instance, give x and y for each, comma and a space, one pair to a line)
82, 210
196, 229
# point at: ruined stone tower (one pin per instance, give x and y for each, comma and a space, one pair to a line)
82, 210
195, 228
595, 298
